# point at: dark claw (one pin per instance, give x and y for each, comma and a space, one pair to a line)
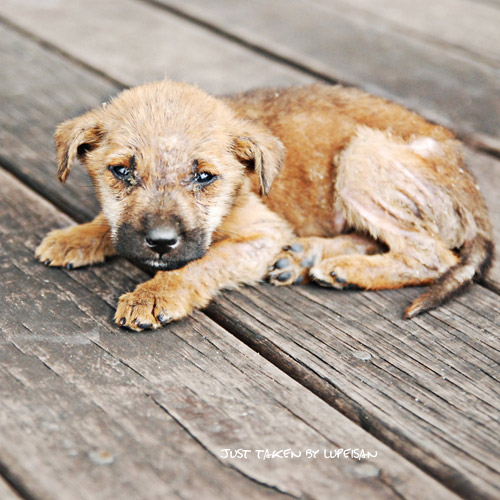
69, 266
163, 318
143, 326
351, 286
284, 276
338, 279
130, 329
283, 262
323, 283
122, 321
296, 247
47, 262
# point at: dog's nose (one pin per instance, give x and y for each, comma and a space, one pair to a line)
162, 240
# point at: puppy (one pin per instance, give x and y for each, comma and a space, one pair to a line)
365, 194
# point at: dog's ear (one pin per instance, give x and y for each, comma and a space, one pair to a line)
260, 150
74, 138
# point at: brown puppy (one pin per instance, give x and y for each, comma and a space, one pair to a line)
370, 195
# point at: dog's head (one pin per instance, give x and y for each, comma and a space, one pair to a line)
168, 162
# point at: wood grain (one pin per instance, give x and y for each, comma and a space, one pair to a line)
40, 89
161, 406
486, 169
156, 44
430, 386
441, 23
337, 41
78, 422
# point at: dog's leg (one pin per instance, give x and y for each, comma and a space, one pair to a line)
293, 264
241, 253
77, 246
377, 272
172, 295
387, 190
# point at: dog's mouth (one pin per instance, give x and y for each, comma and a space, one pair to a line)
132, 245
161, 264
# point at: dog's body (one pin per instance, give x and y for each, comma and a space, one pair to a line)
370, 195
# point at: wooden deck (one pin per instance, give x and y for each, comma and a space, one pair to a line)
88, 411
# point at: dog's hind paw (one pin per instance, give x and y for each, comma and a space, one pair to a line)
337, 262
291, 266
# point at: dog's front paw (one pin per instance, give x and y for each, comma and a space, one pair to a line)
292, 264
149, 307
73, 247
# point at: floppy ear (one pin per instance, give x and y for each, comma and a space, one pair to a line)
261, 151
74, 138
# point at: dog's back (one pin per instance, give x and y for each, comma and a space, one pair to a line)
321, 125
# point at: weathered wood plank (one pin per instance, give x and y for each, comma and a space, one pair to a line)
486, 169
40, 89
162, 405
51, 437
6, 492
429, 386
443, 84
156, 44
495, 3
64, 398
468, 25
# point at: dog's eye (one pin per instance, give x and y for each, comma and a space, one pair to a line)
120, 172
204, 178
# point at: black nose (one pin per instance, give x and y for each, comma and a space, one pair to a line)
162, 240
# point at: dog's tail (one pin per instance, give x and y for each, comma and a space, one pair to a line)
476, 258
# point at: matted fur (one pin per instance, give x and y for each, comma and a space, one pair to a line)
320, 183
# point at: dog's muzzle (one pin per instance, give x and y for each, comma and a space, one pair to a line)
160, 248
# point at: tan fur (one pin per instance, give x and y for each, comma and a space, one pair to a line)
77, 246
370, 195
